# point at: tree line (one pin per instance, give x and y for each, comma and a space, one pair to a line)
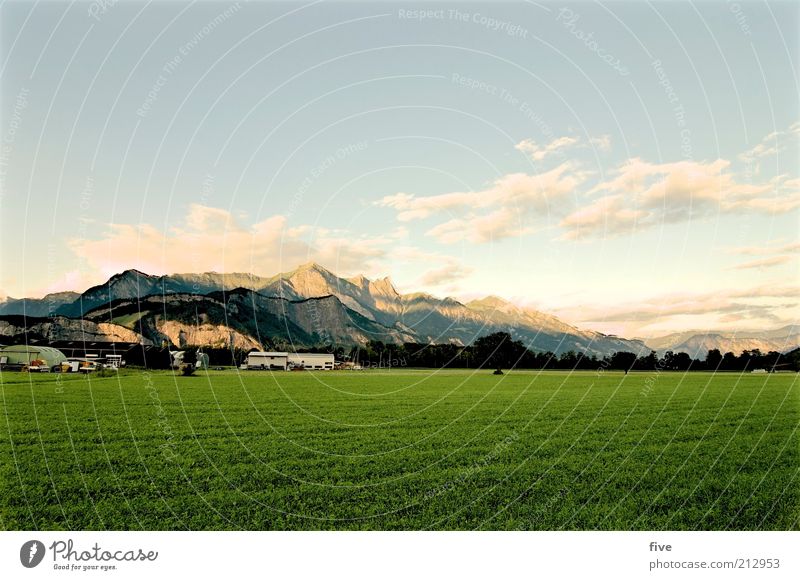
500, 350
497, 350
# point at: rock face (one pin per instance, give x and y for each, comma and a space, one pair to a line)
62, 328
246, 319
213, 335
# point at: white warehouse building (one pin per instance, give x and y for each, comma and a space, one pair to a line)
261, 360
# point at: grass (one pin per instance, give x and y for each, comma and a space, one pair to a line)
400, 450
129, 320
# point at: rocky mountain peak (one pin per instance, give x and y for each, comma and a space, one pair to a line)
130, 273
312, 281
361, 281
493, 303
311, 267
490, 301
383, 287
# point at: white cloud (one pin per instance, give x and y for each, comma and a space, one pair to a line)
762, 263
638, 196
481, 228
603, 142
445, 275
772, 144
609, 215
447, 270
213, 239
539, 152
497, 212
776, 247
773, 254
642, 195
557, 146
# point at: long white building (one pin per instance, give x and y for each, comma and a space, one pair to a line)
265, 360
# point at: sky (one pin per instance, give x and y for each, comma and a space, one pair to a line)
631, 167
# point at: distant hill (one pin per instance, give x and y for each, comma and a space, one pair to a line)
47, 306
697, 344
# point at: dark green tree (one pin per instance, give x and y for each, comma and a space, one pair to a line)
682, 362
713, 359
623, 361
498, 350
647, 363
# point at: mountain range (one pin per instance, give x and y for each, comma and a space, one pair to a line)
698, 343
310, 307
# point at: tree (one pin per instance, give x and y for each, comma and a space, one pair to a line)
668, 361
730, 362
568, 360
498, 350
713, 359
682, 361
623, 361
772, 361
792, 359
749, 359
647, 363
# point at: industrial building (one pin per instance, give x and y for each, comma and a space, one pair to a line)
260, 360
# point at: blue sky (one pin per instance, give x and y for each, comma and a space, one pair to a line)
632, 167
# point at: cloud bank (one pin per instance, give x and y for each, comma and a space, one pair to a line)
637, 195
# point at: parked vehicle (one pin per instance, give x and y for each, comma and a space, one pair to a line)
71, 366
37, 366
89, 366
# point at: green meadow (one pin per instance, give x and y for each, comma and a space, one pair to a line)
400, 450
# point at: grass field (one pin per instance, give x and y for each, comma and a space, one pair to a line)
400, 450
